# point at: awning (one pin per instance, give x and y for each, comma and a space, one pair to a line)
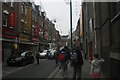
28, 43
9, 40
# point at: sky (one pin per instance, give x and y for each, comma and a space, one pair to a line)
59, 10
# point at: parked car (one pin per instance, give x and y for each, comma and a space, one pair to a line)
43, 54
51, 54
22, 58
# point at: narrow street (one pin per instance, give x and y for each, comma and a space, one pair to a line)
68, 31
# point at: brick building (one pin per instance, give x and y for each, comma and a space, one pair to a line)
25, 25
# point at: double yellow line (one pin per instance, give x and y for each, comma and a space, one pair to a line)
53, 73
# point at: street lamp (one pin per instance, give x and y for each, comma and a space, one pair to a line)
71, 23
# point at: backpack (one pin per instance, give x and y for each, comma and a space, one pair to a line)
74, 57
62, 56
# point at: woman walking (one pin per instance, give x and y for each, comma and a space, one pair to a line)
96, 66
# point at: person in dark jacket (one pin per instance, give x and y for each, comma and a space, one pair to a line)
77, 66
57, 52
37, 56
67, 50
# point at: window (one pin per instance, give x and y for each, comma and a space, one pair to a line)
33, 30
5, 20
26, 10
6, 1
12, 3
22, 26
116, 8
23, 9
33, 16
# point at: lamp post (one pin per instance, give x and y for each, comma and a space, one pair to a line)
71, 22
71, 43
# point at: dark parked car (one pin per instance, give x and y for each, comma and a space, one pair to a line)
22, 58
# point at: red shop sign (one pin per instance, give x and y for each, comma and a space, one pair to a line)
36, 31
12, 19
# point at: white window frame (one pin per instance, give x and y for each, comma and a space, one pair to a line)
5, 1
23, 7
12, 3
6, 18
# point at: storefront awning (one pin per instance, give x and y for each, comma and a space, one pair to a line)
9, 40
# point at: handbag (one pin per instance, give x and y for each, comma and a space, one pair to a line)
95, 75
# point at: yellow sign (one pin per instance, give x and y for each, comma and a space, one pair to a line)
28, 19
15, 46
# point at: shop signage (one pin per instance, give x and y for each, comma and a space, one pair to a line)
45, 37
9, 33
28, 19
12, 19
41, 32
36, 31
35, 39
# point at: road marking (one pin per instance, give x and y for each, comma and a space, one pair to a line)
20, 68
52, 74
7, 73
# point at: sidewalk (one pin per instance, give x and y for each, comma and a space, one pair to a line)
85, 71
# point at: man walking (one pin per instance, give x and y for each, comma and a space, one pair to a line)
37, 56
76, 61
63, 60
57, 52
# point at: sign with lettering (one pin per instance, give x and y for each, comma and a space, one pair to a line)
12, 19
9, 33
28, 19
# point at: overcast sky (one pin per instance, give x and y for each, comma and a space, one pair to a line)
59, 10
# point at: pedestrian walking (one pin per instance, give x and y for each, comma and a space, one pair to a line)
63, 60
67, 50
76, 61
37, 56
90, 51
96, 66
57, 55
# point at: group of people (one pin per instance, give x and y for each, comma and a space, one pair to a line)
74, 57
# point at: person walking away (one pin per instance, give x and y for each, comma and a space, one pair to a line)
63, 60
96, 66
90, 51
76, 61
37, 57
56, 55
67, 50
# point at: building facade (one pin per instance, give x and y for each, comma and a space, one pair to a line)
100, 24
26, 26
